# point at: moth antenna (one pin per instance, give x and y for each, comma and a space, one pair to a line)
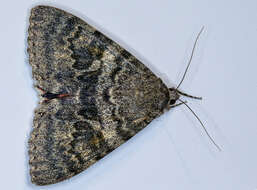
201, 124
39, 88
191, 57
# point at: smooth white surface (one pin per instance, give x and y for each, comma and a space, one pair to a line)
172, 152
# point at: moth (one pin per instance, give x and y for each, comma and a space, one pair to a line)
95, 95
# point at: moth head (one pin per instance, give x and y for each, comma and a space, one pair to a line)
174, 96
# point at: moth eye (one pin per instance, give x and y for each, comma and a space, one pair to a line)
172, 89
172, 102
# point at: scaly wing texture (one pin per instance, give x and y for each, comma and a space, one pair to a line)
113, 95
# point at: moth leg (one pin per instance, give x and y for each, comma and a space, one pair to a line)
45, 101
63, 95
175, 105
139, 120
41, 89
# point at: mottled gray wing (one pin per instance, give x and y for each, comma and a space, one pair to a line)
112, 95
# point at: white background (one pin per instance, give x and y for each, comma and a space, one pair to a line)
172, 152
